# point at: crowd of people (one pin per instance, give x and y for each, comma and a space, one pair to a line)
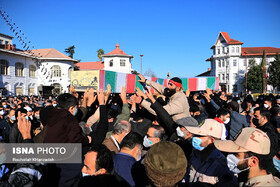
157, 137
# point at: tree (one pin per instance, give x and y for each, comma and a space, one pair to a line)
70, 51
254, 79
149, 73
100, 52
263, 73
274, 72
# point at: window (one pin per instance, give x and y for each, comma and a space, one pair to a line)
244, 62
234, 62
6, 42
223, 63
219, 76
32, 70
1, 42
111, 63
223, 77
218, 51
4, 65
55, 71
232, 49
69, 72
235, 76
219, 63
225, 49
227, 77
237, 49
19, 69
122, 63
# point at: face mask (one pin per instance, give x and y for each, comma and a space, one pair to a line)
13, 118
169, 92
75, 112
85, 174
180, 133
147, 142
196, 143
5, 106
26, 117
227, 121
256, 122
31, 117
265, 105
37, 116
54, 105
232, 162
2, 112
276, 163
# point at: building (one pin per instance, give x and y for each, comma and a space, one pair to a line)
33, 72
117, 60
230, 62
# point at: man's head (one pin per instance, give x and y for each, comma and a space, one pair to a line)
261, 116
98, 161
223, 114
174, 86
165, 164
233, 106
183, 123
122, 128
132, 145
249, 151
268, 102
69, 102
154, 135
205, 134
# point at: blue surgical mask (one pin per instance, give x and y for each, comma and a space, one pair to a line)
13, 118
147, 142
75, 112
196, 143
276, 163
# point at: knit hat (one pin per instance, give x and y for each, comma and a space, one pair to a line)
165, 163
250, 139
209, 127
176, 81
187, 121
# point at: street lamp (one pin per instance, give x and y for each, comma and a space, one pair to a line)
141, 63
246, 73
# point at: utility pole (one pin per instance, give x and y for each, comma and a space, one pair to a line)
141, 63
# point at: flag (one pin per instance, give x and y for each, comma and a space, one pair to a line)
102, 80
185, 83
211, 82
192, 84
110, 78
130, 83
201, 83
120, 81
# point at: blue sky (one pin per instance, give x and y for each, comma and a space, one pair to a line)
173, 35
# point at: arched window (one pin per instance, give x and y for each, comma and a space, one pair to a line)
19, 69
4, 66
56, 71
69, 72
111, 63
32, 71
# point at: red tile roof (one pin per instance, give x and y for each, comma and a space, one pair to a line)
229, 40
90, 65
49, 53
258, 51
117, 52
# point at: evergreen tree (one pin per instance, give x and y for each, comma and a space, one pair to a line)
254, 79
70, 51
274, 72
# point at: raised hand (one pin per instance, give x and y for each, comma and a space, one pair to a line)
101, 97
150, 95
123, 95
140, 93
24, 126
108, 92
142, 78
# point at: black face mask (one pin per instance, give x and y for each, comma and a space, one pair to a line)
256, 122
169, 92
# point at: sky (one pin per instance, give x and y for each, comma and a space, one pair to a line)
173, 35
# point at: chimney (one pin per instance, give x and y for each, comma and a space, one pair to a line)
209, 69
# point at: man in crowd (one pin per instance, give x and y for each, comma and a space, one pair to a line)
223, 117
177, 106
121, 129
249, 157
154, 135
125, 162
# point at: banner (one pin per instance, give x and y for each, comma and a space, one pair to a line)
98, 79
82, 80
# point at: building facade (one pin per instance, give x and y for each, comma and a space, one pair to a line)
116, 60
33, 72
230, 62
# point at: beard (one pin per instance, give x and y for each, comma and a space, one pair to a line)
243, 176
169, 92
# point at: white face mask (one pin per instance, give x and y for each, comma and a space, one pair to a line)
85, 174
232, 162
265, 105
227, 121
180, 133
147, 142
